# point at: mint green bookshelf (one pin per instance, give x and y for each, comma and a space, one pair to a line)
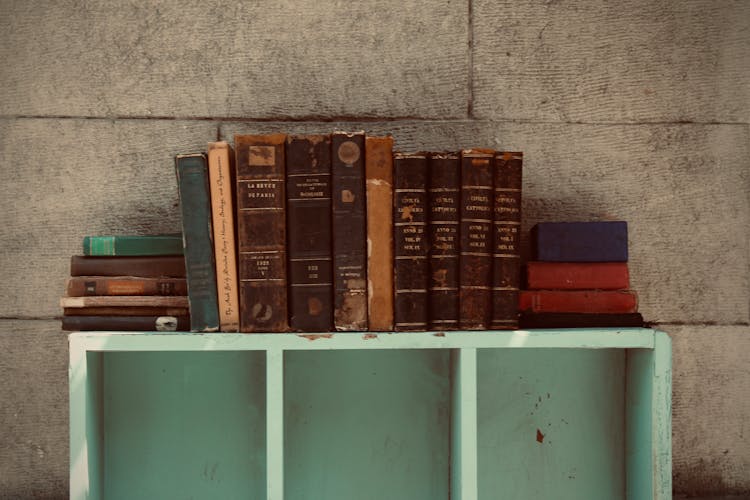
558, 414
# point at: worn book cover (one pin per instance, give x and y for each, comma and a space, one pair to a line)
349, 231
577, 275
195, 208
124, 301
127, 323
578, 301
124, 285
161, 244
126, 311
410, 241
261, 232
379, 184
167, 266
308, 174
221, 178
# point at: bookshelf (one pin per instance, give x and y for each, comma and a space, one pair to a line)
463, 415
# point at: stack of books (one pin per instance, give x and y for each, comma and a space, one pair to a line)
129, 283
579, 277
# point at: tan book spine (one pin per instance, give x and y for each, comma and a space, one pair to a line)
124, 301
379, 186
221, 180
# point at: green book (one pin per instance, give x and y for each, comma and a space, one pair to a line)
162, 244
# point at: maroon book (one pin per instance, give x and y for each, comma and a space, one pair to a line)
577, 276
578, 301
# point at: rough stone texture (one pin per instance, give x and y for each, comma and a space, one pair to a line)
64, 179
602, 61
240, 59
711, 408
33, 410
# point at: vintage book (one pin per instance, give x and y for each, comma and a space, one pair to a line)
167, 266
580, 241
221, 179
379, 185
578, 301
580, 320
195, 208
78, 286
577, 275
127, 323
261, 232
124, 301
444, 204
126, 311
506, 256
411, 265
308, 208
349, 231
161, 244
475, 274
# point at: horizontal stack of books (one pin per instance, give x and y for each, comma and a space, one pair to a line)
128, 283
579, 277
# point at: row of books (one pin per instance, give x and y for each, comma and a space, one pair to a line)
339, 232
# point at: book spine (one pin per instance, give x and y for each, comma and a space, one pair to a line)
221, 178
379, 185
349, 232
133, 245
124, 285
126, 323
126, 311
475, 274
308, 174
195, 207
444, 204
506, 236
602, 241
261, 232
124, 301
578, 301
577, 276
172, 266
410, 241
580, 320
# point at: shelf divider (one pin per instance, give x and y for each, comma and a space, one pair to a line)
464, 481
275, 424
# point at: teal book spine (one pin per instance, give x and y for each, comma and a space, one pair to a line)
195, 206
166, 244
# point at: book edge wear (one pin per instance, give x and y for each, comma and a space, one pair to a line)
195, 208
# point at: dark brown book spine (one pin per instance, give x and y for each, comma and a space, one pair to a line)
261, 232
444, 203
506, 256
167, 266
349, 232
126, 311
410, 241
308, 174
127, 323
124, 285
475, 298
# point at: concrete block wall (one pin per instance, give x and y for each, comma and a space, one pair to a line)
636, 110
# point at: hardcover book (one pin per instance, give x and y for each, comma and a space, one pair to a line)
221, 178
580, 320
126, 311
124, 285
163, 244
475, 276
349, 232
127, 323
195, 208
506, 257
308, 173
123, 301
577, 276
580, 241
379, 185
444, 202
261, 232
410, 241
578, 301
167, 266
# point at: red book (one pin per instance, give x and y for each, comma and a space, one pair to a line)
577, 276
578, 301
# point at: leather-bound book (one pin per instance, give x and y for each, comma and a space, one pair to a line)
349, 231
78, 286
506, 232
475, 275
410, 241
444, 202
308, 182
195, 208
261, 232
167, 266
126, 323
379, 173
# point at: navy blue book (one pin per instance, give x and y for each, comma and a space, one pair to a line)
580, 241
195, 205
